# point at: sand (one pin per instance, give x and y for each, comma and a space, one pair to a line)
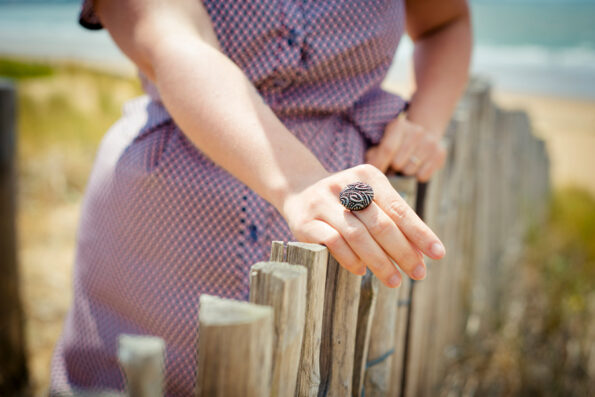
568, 128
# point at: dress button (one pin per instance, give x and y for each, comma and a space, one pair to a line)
281, 83
292, 38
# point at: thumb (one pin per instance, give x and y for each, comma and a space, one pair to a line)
381, 156
375, 157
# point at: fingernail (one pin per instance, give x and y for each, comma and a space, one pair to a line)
394, 281
438, 250
419, 272
361, 271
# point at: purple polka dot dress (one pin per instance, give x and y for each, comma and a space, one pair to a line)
162, 224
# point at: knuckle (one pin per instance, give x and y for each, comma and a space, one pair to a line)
351, 265
353, 234
332, 241
399, 209
366, 171
380, 227
385, 151
397, 165
416, 130
375, 267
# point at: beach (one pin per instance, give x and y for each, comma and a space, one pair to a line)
64, 113
568, 128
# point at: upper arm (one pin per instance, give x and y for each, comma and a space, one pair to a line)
427, 16
141, 27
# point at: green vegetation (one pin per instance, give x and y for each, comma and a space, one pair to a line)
63, 111
544, 344
15, 69
558, 336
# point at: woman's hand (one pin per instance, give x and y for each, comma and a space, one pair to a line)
387, 231
409, 148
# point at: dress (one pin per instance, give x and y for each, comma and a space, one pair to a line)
161, 223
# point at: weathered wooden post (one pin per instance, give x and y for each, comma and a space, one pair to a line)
142, 358
13, 368
314, 258
336, 336
235, 347
387, 334
365, 315
337, 351
283, 287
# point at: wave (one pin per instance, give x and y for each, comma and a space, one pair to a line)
564, 71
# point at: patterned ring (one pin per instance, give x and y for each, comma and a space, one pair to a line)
357, 196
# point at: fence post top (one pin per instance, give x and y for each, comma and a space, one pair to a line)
281, 269
219, 311
139, 345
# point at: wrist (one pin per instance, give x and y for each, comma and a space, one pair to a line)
282, 192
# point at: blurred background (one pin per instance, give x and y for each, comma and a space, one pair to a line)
539, 56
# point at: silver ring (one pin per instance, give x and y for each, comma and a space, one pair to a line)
413, 159
356, 196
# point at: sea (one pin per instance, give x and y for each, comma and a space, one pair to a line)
544, 47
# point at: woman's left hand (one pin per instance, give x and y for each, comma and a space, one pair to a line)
409, 148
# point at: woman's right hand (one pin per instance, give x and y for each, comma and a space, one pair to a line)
388, 230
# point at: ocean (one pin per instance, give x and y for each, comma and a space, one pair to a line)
531, 46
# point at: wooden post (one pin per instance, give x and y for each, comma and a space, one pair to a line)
365, 315
337, 351
235, 347
385, 350
142, 358
283, 287
315, 258
13, 367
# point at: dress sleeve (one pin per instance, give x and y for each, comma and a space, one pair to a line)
87, 18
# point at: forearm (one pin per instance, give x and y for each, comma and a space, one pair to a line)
221, 112
208, 96
441, 61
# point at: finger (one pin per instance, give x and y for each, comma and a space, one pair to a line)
320, 232
412, 165
430, 167
416, 231
393, 241
382, 155
365, 247
412, 134
423, 153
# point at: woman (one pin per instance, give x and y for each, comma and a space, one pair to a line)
258, 114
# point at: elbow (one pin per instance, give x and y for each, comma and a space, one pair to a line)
459, 21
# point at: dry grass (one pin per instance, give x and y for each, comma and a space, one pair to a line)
545, 344
63, 111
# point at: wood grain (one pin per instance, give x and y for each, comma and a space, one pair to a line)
365, 315
142, 358
283, 287
234, 348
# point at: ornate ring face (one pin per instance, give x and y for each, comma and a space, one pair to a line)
357, 196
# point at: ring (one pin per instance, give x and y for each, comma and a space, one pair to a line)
414, 160
356, 196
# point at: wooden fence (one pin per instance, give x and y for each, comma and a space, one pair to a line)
313, 329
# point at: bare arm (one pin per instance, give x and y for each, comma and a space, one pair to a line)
220, 111
208, 96
441, 32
